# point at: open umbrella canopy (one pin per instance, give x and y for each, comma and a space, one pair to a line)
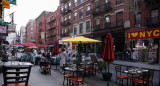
33, 47
108, 53
44, 45
29, 44
17, 45
80, 39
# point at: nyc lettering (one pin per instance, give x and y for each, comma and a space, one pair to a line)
143, 34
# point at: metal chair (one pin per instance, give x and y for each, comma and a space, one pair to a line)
120, 77
17, 79
45, 67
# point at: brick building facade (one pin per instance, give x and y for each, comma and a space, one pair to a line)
53, 27
75, 18
30, 31
41, 27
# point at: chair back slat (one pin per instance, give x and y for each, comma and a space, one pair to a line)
13, 74
118, 69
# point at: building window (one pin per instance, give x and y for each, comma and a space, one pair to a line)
81, 28
106, 1
97, 3
154, 16
69, 21
81, 1
69, 30
119, 2
97, 27
81, 13
62, 10
138, 20
97, 21
88, 26
75, 3
69, 4
75, 29
88, 10
107, 22
119, 19
65, 8
75, 16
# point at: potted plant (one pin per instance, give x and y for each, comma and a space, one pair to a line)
102, 65
118, 55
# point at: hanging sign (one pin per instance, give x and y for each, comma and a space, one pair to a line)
12, 2
6, 4
143, 33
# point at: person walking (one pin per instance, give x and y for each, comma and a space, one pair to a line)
63, 57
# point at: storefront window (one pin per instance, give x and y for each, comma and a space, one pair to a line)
144, 50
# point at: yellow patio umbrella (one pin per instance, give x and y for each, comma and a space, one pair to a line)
80, 39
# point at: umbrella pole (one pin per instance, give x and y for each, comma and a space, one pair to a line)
56, 63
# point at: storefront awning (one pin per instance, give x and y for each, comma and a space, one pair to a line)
143, 33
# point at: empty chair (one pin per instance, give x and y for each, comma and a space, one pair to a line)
119, 76
67, 76
130, 76
16, 79
143, 80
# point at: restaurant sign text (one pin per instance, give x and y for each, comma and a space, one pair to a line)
143, 33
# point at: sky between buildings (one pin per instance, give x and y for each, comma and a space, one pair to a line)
29, 9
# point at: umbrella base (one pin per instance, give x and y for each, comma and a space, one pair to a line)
106, 76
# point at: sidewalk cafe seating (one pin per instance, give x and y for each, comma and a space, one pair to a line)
17, 79
45, 67
130, 76
95, 62
120, 77
78, 79
150, 78
144, 80
67, 76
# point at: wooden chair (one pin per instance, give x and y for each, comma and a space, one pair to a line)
120, 77
17, 79
45, 67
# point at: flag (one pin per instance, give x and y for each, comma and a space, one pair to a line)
12, 17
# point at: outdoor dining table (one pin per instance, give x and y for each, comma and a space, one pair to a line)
135, 71
16, 63
73, 70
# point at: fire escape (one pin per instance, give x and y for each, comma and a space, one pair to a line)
152, 21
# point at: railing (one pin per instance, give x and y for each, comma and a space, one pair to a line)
64, 35
106, 26
153, 22
62, 23
66, 23
101, 9
64, 1
65, 11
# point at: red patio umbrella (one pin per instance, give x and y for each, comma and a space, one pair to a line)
108, 53
18, 44
56, 51
29, 44
43, 45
